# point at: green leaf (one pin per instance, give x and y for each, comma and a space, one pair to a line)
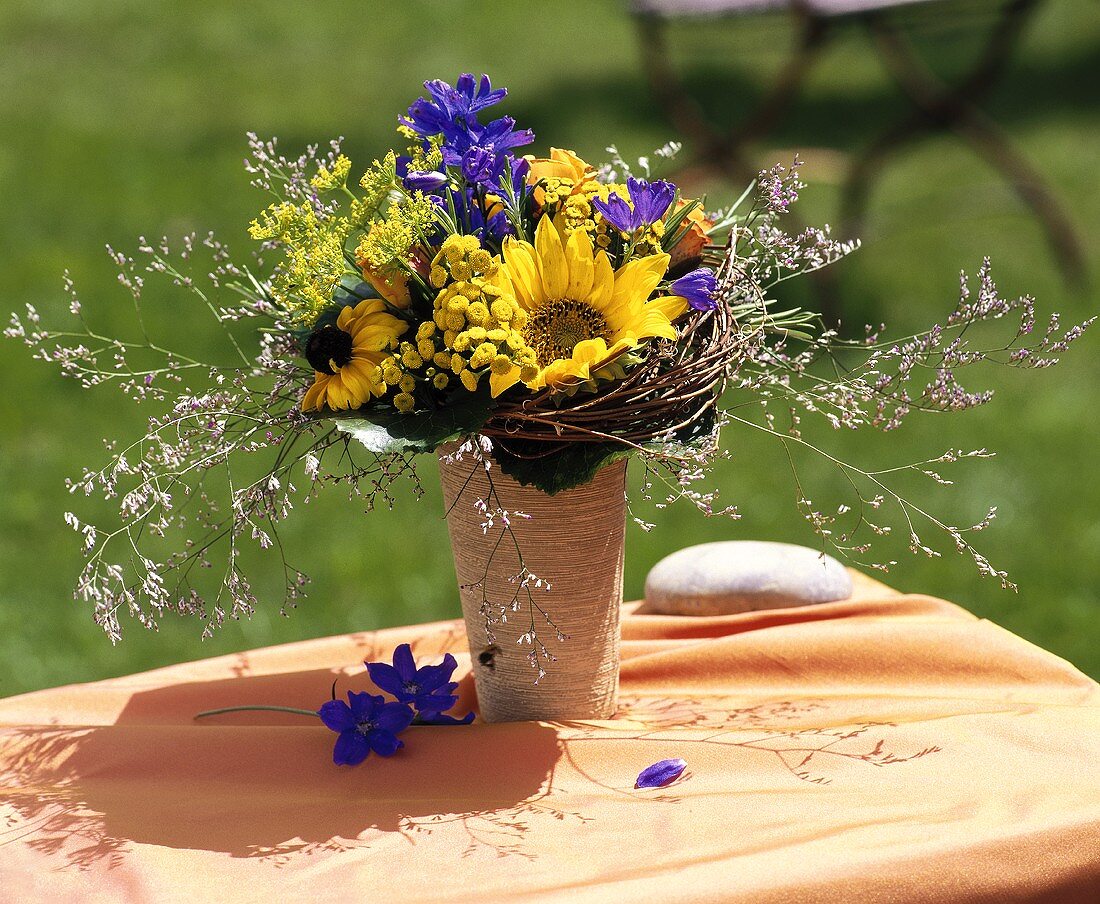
573, 465
384, 431
352, 291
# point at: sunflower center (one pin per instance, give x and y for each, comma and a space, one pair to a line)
328, 349
554, 330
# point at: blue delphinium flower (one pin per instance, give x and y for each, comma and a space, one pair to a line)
429, 688
510, 195
698, 287
498, 225
478, 165
480, 152
648, 203
365, 723
451, 110
477, 151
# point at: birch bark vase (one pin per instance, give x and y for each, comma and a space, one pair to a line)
575, 541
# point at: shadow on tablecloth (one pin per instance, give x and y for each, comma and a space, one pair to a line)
266, 790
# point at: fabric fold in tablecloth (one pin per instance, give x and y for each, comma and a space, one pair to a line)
887, 748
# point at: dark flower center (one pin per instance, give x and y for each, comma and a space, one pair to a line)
555, 329
411, 687
365, 727
328, 349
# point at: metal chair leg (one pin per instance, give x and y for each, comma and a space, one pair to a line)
952, 107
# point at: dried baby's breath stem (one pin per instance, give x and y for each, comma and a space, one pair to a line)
229, 453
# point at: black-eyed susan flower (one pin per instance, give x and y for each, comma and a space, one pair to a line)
347, 356
581, 314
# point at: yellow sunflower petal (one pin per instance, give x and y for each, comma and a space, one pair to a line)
375, 333
621, 345
561, 164
654, 323
551, 260
578, 256
564, 373
337, 396
672, 306
590, 352
369, 306
522, 270
634, 283
356, 377
637, 279
603, 282
371, 358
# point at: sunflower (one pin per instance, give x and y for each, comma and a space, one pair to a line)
581, 314
346, 356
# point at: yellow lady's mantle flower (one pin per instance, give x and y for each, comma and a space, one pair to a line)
581, 313
314, 250
346, 358
332, 179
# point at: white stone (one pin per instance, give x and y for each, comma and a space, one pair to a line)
741, 576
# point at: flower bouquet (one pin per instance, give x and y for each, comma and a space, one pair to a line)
531, 322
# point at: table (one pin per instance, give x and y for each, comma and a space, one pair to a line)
886, 748
933, 104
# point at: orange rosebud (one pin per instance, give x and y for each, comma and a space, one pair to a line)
690, 247
392, 286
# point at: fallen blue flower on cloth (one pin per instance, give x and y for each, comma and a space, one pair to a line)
661, 773
365, 723
428, 689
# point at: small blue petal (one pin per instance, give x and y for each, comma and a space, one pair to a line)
616, 211
404, 663
698, 287
336, 714
651, 199
393, 717
660, 774
432, 677
434, 703
384, 743
386, 678
351, 748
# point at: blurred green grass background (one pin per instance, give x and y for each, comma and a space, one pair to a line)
127, 118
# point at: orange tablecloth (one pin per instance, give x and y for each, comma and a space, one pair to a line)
885, 749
